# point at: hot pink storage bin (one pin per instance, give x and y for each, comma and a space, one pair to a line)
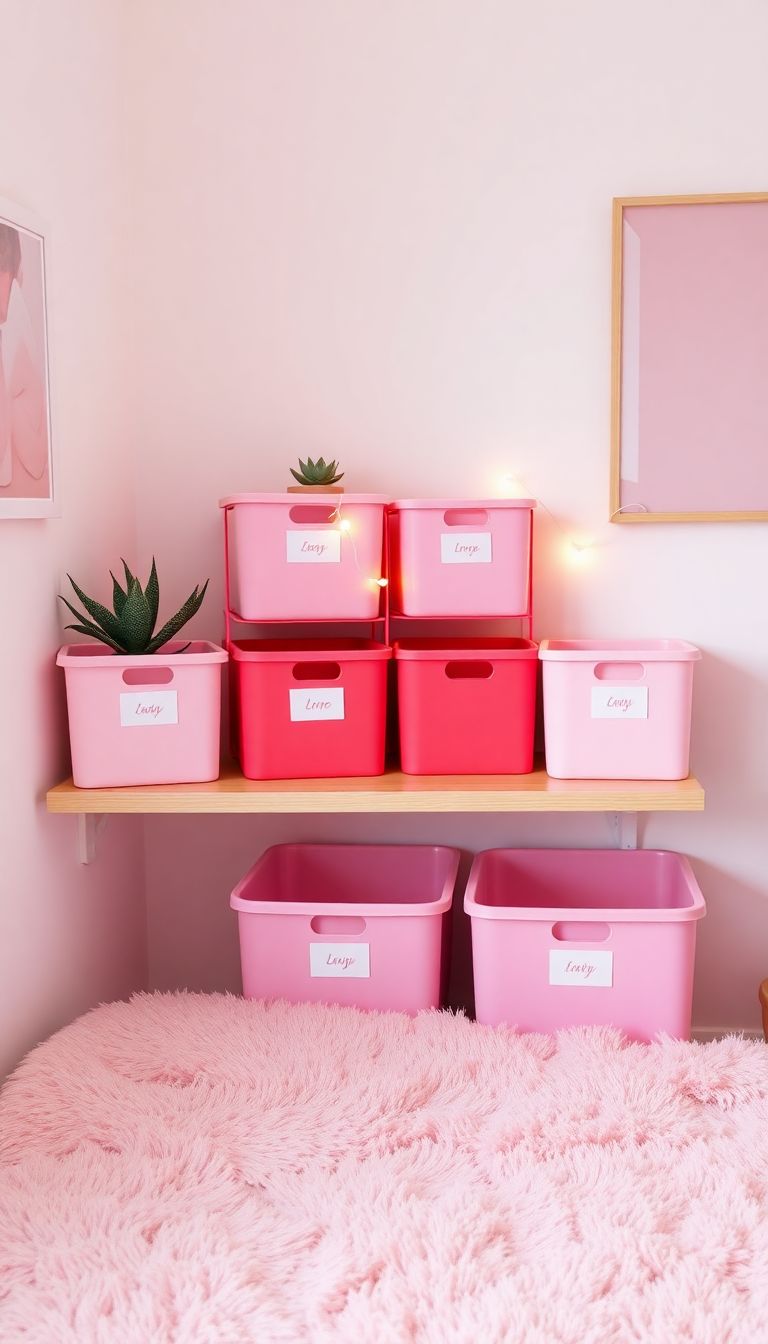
617, 709
305, 557
143, 718
457, 557
467, 705
362, 925
310, 708
584, 937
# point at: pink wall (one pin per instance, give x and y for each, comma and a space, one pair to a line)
70, 936
383, 232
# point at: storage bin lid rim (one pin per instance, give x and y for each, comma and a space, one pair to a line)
306, 651
229, 501
619, 650
170, 654
553, 914
364, 908
438, 649
463, 504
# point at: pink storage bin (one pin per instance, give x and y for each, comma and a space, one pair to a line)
310, 708
617, 709
293, 557
143, 718
362, 925
462, 557
467, 705
584, 937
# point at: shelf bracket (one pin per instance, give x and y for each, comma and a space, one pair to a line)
624, 829
89, 828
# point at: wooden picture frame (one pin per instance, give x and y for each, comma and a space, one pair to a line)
689, 337
27, 481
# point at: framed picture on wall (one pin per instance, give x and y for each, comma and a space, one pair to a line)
26, 457
690, 359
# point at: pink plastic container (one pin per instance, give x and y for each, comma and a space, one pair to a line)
584, 937
361, 925
146, 718
617, 709
305, 557
457, 557
467, 705
311, 708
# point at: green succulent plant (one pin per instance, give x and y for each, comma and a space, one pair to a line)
129, 627
317, 473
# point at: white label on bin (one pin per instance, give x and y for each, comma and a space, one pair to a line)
317, 702
340, 961
313, 548
619, 702
147, 709
465, 548
588, 970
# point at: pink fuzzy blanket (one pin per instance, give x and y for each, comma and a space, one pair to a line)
204, 1170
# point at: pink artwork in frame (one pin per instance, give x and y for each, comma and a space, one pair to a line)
26, 460
690, 354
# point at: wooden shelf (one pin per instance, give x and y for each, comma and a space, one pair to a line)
392, 792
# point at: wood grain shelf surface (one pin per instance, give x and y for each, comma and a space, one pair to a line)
391, 792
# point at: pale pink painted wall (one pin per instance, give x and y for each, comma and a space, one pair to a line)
383, 232
70, 935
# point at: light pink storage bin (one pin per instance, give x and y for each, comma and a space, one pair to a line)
362, 925
617, 709
584, 937
292, 557
462, 557
143, 718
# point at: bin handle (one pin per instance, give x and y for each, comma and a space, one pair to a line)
457, 671
465, 517
313, 513
147, 676
619, 671
580, 931
316, 671
347, 924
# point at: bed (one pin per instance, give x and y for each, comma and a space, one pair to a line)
189, 1168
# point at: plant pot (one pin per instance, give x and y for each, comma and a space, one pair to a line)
315, 489
150, 718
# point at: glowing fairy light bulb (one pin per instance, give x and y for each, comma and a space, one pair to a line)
579, 551
512, 486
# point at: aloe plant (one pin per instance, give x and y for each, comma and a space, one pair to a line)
317, 473
130, 626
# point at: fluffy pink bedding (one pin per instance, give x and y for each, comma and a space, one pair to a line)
199, 1168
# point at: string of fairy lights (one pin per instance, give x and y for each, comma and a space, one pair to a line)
578, 549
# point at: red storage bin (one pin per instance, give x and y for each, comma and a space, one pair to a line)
310, 708
466, 705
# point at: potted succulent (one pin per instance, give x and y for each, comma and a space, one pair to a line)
143, 679
319, 476
129, 627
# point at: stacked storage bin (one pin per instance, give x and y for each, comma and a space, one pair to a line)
466, 703
618, 709
312, 706
361, 925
